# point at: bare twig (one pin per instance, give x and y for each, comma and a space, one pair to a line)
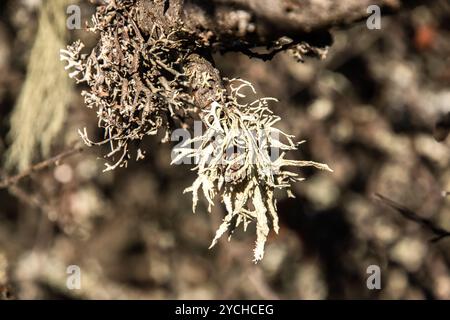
9, 181
29, 199
439, 232
257, 279
241, 47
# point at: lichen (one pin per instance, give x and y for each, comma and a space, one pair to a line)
237, 157
143, 82
136, 82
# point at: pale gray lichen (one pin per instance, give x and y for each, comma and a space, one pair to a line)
236, 158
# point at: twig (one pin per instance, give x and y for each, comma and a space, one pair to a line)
30, 200
410, 215
242, 48
260, 284
9, 181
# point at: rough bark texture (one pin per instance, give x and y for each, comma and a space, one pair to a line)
240, 25
270, 19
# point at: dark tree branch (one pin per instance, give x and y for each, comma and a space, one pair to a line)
239, 25
429, 225
265, 21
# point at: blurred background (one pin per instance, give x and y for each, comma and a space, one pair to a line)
369, 110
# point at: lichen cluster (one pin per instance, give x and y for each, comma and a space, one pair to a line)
142, 82
136, 81
238, 158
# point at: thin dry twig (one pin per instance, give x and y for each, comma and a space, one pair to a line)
10, 181
29, 199
439, 232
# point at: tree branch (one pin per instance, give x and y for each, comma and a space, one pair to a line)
238, 25
265, 21
439, 232
9, 181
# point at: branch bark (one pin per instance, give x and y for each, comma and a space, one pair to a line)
239, 25
264, 21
